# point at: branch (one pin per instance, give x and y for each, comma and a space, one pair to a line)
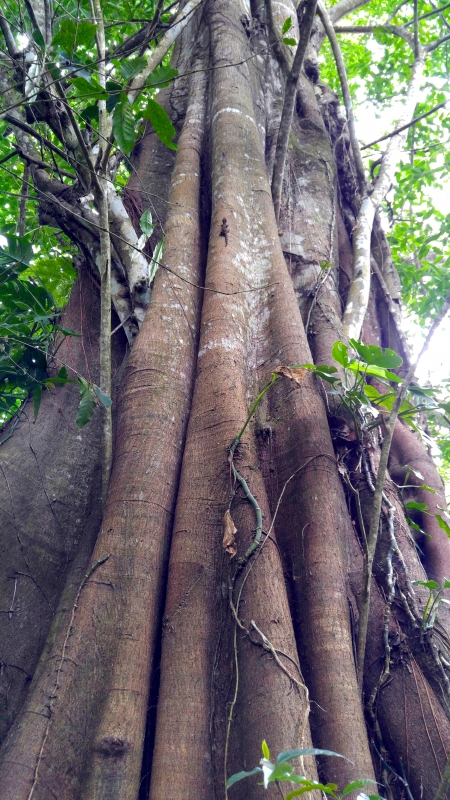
434, 45
128, 246
347, 97
345, 7
416, 29
101, 187
275, 40
19, 123
76, 129
157, 55
395, 29
372, 537
408, 125
430, 14
309, 12
358, 295
23, 200
13, 50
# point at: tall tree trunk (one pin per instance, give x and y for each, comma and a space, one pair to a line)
231, 650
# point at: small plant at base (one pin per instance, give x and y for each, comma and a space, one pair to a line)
281, 770
433, 602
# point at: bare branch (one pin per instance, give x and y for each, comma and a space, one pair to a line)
346, 94
13, 50
397, 30
275, 40
105, 255
345, 7
437, 43
408, 125
309, 12
162, 48
430, 14
358, 295
416, 29
23, 200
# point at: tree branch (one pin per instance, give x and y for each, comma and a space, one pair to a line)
275, 40
13, 50
358, 295
434, 45
397, 30
372, 537
408, 125
157, 55
305, 25
345, 7
19, 123
101, 187
429, 14
326, 22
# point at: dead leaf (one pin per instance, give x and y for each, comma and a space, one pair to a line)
229, 530
294, 373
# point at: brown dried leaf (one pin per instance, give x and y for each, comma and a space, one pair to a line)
294, 373
229, 530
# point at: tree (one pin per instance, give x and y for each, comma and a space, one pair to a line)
145, 653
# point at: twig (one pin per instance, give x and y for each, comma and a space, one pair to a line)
408, 125
23, 199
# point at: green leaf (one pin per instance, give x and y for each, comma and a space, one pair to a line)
85, 88
38, 38
443, 524
124, 125
16, 253
73, 33
62, 374
286, 755
286, 25
90, 113
155, 262
87, 403
37, 394
162, 76
238, 776
104, 398
289, 41
358, 784
377, 372
131, 67
160, 122
416, 506
312, 786
431, 585
265, 749
67, 331
340, 353
146, 223
114, 90
372, 354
